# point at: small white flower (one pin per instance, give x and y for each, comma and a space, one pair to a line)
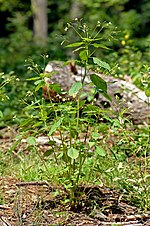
66, 29
47, 80
98, 23
29, 68
29, 93
62, 42
68, 25
48, 68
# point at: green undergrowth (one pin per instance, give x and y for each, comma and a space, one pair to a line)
128, 173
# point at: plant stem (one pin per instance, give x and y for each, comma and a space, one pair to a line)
85, 71
41, 157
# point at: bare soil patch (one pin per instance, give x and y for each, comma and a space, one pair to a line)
39, 203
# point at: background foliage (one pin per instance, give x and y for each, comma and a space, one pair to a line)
129, 50
131, 17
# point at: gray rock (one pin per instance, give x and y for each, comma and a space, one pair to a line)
124, 94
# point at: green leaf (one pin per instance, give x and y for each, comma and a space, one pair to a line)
73, 153
101, 63
83, 55
99, 82
1, 114
147, 92
3, 97
26, 122
78, 49
56, 87
40, 83
32, 79
52, 142
55, 126
105, 94
48, 152
31, 140
100, 151
76, 44
91, 39
37, 124
91, 144
15, 144
96, 45
75, 88
95, 135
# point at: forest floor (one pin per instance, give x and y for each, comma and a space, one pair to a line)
32, 203
40, 203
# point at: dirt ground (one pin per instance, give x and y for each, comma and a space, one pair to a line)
39, 203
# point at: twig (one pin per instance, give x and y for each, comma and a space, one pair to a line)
32, 183
18, 209
6, 223
4, 207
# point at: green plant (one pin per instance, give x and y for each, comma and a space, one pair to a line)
64, 118
5, 81
13, 90
145, 79
135, 185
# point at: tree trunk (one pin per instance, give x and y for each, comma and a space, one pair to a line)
75, 12
76, 9
40, 21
